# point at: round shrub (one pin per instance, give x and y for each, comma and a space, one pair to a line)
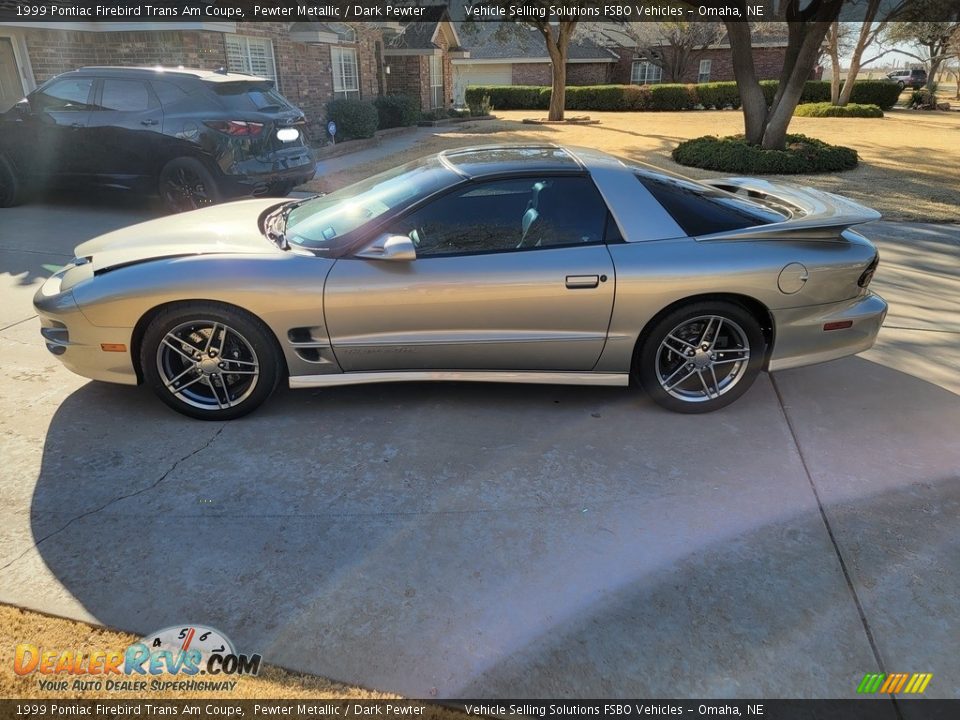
732, 154
354, 118
882, 93
825, 109
718, 95
396, 111
672, 97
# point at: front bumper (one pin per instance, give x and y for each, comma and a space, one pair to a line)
801, 340
78, 344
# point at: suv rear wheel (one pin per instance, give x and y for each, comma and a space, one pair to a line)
185, 184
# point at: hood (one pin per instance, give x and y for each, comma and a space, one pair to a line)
228, 228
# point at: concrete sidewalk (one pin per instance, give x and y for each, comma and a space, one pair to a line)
479, 541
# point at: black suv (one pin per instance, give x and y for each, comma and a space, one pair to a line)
193, 136
915, 78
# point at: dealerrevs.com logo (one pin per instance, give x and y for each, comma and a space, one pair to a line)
182, 652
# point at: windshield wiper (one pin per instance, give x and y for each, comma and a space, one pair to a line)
275, 224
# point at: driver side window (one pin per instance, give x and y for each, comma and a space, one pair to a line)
503, 215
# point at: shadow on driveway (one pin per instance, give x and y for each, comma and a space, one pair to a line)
480, 541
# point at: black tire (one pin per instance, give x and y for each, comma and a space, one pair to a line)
675, 368
901, 85
12, 188
186, 184
280, 189
196, 333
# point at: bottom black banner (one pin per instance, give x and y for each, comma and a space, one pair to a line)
866, 709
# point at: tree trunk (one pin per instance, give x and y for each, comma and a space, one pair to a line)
558, 94
752, 101
935, 63
557, 49
848, 83
833, 48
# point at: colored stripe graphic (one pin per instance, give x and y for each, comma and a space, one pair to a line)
906, 683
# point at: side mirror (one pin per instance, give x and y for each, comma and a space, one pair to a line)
21, 110
390, 247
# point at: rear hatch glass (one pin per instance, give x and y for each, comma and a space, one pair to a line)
703, 210
251, 97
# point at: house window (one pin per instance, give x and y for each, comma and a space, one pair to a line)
644, 72
251, 55
346, 75
704, 74
436, 81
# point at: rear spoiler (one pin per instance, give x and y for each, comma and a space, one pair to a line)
812, 213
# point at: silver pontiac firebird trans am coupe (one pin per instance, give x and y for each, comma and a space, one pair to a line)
533, 264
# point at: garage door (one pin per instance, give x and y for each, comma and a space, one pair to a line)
493, 74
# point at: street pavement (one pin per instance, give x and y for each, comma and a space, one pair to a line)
457, 540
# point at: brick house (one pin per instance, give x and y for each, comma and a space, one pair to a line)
517, 56
420, 60
310, 62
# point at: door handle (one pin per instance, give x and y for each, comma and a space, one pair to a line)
148, 122
582, 281
76, 125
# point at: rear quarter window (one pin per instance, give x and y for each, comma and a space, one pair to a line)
701, 210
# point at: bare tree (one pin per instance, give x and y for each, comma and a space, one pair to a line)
556, 25
836, 43
929, 42
870, 32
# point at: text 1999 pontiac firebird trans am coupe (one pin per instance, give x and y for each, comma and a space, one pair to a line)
536, 264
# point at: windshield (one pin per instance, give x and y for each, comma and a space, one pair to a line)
326, 224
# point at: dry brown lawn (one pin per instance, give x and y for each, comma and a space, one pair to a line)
909, 160
52, 633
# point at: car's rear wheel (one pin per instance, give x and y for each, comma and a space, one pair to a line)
12, 189
186, 184
701, 357
901, 85
210, 361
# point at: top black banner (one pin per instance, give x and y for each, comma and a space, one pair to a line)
127, 11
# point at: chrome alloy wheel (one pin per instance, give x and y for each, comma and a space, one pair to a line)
208, 365
702, 358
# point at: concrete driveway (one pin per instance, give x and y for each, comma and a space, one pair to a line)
478, 541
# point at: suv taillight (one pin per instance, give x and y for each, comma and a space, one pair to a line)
867, 275
236, 128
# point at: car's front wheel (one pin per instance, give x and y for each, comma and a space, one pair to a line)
210, 361
700, 357
186, 184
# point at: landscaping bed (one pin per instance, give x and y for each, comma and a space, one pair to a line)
802, 154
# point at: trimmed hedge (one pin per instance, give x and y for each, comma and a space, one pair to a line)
732, 154
354, 118
396, 111
825, 109
668, 96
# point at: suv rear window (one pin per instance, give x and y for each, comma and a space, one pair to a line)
702, 210
258, 97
